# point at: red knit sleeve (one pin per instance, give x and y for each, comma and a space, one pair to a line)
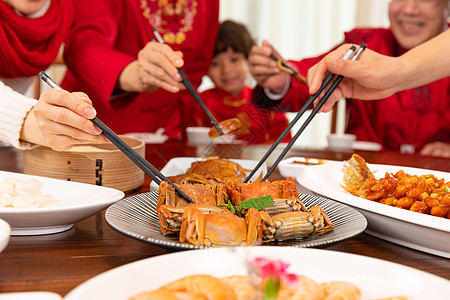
94, 65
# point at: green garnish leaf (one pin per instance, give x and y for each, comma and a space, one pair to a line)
234, 209
259, 203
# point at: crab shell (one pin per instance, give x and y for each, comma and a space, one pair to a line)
281, 189
284, 193
294, 225
220, 229
201, 193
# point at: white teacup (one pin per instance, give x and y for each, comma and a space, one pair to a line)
341, 140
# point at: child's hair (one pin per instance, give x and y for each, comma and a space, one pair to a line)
235, 36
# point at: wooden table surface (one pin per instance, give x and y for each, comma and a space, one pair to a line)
59, 262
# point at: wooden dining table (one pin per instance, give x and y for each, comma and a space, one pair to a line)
59, 262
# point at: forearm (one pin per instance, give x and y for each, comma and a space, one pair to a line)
425, 63
14, 109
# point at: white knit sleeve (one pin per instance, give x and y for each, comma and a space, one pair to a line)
14, 107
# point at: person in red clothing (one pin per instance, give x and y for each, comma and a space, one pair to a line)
31, 34
231, 98
134, 83
416, 117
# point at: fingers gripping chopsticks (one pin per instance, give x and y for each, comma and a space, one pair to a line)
192, 90
141, 162
328, 79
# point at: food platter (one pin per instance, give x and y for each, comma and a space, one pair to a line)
179, 165
374, 277
136, 216
78, 201
418, 231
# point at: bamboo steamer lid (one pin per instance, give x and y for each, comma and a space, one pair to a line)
103, 165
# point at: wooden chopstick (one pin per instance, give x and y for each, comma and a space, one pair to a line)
141, 162
315, 110
191, 89
296, 118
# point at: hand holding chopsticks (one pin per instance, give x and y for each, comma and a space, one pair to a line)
192, 90
141, 162
325, 83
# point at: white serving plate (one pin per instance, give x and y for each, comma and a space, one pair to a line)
179, 165
289, 168
375, 278
5, 231
366, 146
78, 201
418, 231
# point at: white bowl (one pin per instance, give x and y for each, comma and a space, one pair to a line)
5, 230
340, 141
78, 201
198, 136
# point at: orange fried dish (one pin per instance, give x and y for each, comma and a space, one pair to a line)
425, 194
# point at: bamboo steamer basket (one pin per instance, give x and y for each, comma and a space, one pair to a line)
103, 165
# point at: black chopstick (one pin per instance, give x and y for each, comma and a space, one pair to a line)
314, 111
141, 162
297, 117
192, 90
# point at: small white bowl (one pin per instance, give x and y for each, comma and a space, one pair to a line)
198, 136
5, 231
341, 141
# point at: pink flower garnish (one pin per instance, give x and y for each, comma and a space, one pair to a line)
277, 269
272, 273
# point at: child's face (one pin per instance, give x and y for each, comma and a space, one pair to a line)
229, 71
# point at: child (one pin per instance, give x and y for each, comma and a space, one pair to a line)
231, 98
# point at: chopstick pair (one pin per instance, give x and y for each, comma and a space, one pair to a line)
192, 90
141, 162
322, 101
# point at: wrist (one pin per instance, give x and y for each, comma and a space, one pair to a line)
128, 80
279, 93
30, 131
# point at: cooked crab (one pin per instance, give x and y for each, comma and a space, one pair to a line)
284, 193
294, 225
217, 170
200, 193
220, 228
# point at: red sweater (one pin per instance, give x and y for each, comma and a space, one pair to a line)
262, 125
107, 36
417, 116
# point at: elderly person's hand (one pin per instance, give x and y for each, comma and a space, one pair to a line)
156, 67
264, 69
61, 120
370, 77
436, 149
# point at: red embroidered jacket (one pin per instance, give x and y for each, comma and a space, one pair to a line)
107, 36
